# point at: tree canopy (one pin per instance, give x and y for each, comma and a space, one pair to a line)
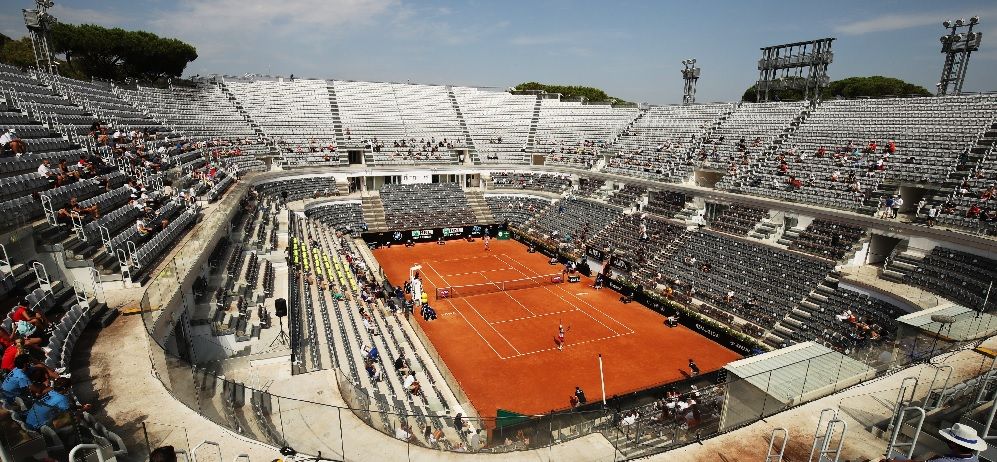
590, 94
95, 51
16, 52
853, 87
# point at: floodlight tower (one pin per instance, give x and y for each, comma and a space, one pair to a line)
957, 46
690, 73
39, 23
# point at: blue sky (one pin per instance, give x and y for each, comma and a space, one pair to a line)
632, 50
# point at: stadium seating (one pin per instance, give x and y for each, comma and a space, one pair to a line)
929, 134
425, 206
516, 210
499, 123
659, 144
297, 114
959, 276
736, 219
824, 239
340, 216
550, 182
571, 222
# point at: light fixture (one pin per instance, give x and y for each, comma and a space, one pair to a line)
974, 20
947, 24
959, 22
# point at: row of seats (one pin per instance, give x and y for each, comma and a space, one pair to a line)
427, 205
549, 182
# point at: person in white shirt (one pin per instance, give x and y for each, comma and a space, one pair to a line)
44, 169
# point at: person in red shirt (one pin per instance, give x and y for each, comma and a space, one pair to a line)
11, 352
891, 147
974, 211
23, 313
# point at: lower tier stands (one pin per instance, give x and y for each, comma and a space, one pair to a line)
516, 210
572, 222
549, 182
423, 206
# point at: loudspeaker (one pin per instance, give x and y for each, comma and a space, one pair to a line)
280, 307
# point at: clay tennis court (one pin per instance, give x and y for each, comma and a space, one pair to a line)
501, 346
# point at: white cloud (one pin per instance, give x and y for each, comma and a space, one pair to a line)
226, 29
900, 21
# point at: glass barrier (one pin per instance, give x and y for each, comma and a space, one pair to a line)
367, 425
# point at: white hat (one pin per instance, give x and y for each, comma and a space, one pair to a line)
965, 436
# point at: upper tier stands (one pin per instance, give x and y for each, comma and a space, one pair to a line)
841, 153
398, 120
572, 133
499, 123
296, 113
658, 145
98, 98
202, 112
749, 129
427, 205
570, 123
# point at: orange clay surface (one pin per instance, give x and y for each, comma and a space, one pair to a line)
501, 346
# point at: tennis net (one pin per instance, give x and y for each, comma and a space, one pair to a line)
499, 286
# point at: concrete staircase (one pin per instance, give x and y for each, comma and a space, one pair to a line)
472, 152
337, 123
245, 115
532, 139
373, 213
480, 208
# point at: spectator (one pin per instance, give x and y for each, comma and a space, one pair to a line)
53, 402
10, 143
163, 454
580, 394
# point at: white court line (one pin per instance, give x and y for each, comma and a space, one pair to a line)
476, 257
536, 316
482, 271
490, 325
572, 304
479, 315
566, 345
560, 286
474, 329
445, 283
512, 298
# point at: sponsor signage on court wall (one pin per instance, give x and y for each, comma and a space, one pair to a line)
722, 338
620, 264
595, 253
422, 235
